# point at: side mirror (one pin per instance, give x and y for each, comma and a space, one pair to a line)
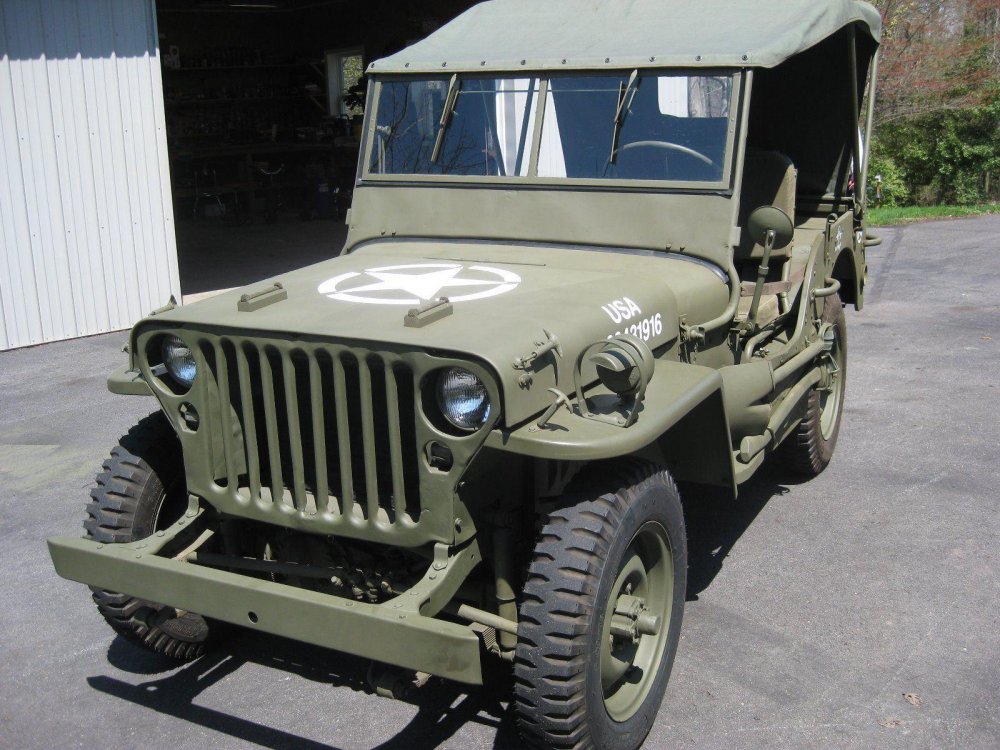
767, 220
769, 226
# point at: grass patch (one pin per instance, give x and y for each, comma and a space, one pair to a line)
887, 216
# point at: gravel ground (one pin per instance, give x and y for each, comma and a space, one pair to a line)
857, 610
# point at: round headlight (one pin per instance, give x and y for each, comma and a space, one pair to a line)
463, 398
179, 359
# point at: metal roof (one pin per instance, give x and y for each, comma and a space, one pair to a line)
573, 34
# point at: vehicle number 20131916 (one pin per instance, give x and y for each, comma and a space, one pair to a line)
644, 329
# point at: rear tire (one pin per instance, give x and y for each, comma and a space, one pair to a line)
809, 448
579, 681
139, 492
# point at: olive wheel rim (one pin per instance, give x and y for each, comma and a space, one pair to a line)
629, 668
832, 395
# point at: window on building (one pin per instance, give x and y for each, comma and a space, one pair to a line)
344, 71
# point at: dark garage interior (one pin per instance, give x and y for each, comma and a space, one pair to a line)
263, 103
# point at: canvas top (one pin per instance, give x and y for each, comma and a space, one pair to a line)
574, 34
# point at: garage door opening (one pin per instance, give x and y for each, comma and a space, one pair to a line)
263, 106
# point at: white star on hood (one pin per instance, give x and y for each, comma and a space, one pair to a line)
426, 286
415, 283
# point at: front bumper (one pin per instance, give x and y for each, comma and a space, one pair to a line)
394, 632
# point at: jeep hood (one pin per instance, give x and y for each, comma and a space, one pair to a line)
502, 298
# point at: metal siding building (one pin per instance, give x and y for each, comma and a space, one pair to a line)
86, 221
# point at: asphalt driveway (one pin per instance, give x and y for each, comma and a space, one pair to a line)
858, 610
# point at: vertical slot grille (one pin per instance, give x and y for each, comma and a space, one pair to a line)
315, 430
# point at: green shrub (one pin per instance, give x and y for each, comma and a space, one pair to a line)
894, 189
967, 187
941, 157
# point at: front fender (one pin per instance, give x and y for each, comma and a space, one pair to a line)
683, 414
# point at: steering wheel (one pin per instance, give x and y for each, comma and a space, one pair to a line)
670, 147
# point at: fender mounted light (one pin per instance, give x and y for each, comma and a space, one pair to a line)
624, 366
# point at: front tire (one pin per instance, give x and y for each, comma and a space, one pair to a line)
139, 492
601, 612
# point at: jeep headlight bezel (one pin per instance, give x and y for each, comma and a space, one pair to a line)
179, 360
463, 399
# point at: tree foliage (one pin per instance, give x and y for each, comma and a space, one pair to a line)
936, 55
938, 103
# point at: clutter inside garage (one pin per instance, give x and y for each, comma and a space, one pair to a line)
263, 106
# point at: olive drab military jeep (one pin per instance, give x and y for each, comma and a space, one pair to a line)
595, 248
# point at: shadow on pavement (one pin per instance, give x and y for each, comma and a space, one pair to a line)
442, 707
715, 521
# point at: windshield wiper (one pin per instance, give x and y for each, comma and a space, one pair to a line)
625, 96
449, 109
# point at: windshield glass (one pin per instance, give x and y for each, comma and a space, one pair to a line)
645, 126
652, 127
486, 133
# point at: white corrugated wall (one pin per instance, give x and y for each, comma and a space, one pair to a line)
86, 222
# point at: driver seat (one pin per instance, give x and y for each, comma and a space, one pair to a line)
769, 179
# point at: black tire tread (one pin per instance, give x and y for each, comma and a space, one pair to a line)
559, 592
148, 451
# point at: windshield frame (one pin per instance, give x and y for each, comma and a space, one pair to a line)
532, 179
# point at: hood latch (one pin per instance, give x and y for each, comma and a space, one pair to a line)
549, 344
